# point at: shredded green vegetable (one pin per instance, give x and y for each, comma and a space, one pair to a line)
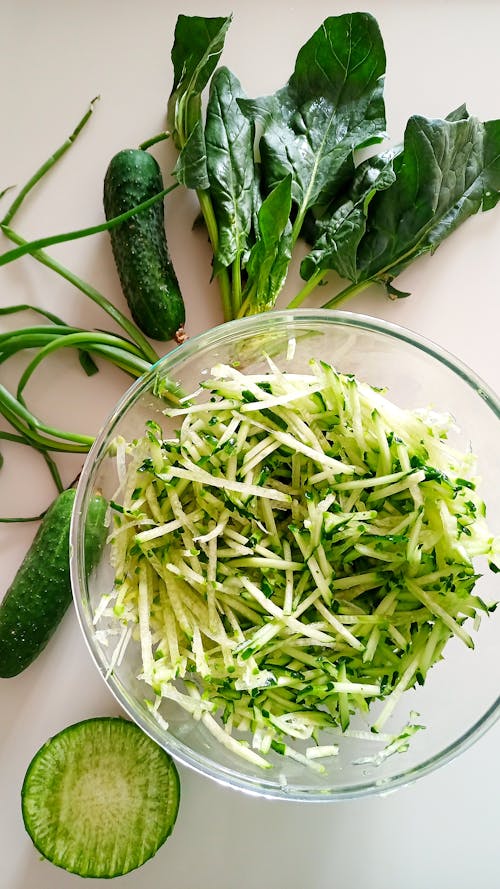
298, 550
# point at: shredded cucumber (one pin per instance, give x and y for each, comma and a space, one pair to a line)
299, 549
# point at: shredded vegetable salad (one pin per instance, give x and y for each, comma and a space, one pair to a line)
299, 549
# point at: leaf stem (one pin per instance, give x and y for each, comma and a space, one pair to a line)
249, 294
236, 286
14, 207
297, 225
316, 278
209, 217
213, 233
225, 290
308, 287
347, 292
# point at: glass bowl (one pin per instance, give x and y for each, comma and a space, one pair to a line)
460, 698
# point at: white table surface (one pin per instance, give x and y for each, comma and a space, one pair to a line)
443, 831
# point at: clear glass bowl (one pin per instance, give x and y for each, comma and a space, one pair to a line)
460, 698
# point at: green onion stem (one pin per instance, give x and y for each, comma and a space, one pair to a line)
5, 190
50, 330
15, 519
41, 442
51, 464
128, 326
61, 238
136, 367
11, 436
27, 423
32, 337
135, 334
24, 307
19, 344
14, 207
160, 137
112, 348
86, 361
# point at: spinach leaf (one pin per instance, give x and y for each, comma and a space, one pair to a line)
229, 139
438, 184
332, 104
340, 234
191, 167
198, 43
491, 194
270, 256
447, 171
367, 222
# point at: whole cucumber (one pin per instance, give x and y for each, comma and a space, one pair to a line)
140, 249
40, 593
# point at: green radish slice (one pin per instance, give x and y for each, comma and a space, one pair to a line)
100, 797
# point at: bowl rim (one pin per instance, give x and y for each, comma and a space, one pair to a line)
181, 752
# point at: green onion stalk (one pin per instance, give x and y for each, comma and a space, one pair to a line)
129, 350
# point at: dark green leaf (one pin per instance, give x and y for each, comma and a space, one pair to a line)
459, 113
395, 293
191, 167
198, 43
442, 176
337, 246
197, 47
491, 194
447, 171
229, 138
270, 256
332, 104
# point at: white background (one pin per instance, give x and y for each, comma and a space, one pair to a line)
440, 833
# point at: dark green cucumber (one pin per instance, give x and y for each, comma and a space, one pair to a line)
40, 593
140, 249
100, 798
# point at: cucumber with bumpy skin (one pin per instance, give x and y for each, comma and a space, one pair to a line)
40, 593
140, 249
100, 797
